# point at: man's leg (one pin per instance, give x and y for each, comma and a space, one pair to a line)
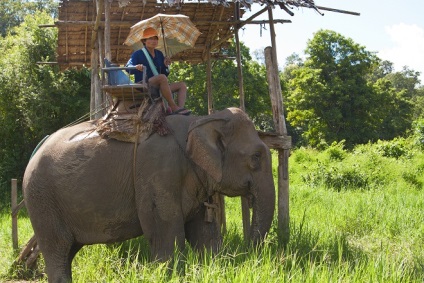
181, 89
162, 82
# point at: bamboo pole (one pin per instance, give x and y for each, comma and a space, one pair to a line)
14, 214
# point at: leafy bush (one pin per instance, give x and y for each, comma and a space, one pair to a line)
370, 166
396, 148
336, 150
337, 178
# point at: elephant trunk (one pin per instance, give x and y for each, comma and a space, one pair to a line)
263, 208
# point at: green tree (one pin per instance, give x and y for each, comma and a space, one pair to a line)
13, 12
343, 92
35, 100
329, 96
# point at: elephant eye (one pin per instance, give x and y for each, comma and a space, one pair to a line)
257, 156
256, 160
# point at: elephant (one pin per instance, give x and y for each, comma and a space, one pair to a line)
82, 189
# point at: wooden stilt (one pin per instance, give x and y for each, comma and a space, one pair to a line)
244, 201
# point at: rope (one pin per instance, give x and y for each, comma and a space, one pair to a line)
87, 115
135, 153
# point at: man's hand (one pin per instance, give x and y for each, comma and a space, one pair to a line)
167, 61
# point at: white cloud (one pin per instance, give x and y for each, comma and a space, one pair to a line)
408, 48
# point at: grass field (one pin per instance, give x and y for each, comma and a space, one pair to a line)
356, 216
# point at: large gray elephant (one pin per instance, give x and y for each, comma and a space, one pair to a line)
81, 189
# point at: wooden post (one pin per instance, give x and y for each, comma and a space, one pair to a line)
217, 198
15, 214
209, 81
238, 54
283, 154
107, 30
94, 82
96, 100
245, 211
280, 127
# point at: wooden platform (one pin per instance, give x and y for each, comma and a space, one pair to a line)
127, 91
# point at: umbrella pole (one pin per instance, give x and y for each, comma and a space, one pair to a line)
164, 41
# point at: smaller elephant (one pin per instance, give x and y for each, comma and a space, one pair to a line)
81, 189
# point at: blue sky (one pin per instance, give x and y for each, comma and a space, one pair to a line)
393, 29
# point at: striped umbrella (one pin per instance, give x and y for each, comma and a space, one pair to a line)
176, 33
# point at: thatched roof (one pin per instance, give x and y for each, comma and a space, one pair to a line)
214, 18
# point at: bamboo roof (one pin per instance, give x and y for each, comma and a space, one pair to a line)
216, 20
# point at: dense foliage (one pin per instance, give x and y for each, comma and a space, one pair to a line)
13, 12
35, 99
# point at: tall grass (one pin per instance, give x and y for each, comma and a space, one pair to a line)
355, 216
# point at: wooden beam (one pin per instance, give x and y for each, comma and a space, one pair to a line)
276, 141
338, 11
128, 24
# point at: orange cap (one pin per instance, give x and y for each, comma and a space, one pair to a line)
149, 32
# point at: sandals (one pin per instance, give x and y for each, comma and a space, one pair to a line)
181, 111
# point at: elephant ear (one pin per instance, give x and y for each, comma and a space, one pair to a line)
205, 145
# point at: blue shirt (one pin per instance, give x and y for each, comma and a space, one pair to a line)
138, 57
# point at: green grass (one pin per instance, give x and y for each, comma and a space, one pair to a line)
355, 216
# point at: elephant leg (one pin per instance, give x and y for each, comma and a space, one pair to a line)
59, 263
164, 233
202, 234
57, 246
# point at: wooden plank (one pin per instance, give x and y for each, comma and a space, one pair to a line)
275, 141
133, 91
